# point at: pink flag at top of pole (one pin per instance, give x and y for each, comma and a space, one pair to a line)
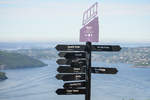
90, 30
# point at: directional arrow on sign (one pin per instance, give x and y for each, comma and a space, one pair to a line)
75, 85
72, 62
70, 77
71, 55
70, 91
66, 69
63, 61
103, 70
106, 48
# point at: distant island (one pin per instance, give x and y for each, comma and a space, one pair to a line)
138, 56
2, 76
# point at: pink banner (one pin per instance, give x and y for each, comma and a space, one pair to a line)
90, 32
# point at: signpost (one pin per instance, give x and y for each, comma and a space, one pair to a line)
103, 70
70, 77
72, 55
75, 63
75, 85
70, 47
93, 47
71, 91
106, 48
71, 61
67, 69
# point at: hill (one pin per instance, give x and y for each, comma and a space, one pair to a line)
15, 60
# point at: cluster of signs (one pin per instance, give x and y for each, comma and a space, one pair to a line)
75, 60
73, 67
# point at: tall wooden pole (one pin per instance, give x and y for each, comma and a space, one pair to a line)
88, 71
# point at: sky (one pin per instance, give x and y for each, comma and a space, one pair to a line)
61, 20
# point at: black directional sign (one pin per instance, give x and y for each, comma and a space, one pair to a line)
63, 61
77, 64
72, 55
94, 47
106, 48
103, 70
71, 62
70, 47
70, 77
75, 85
71, 91
67, 69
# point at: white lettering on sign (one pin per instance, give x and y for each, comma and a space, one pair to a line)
75, 90
77, 69
70, 91
78, 54
101, 70
74, 84
89, 27
103, 47
70, 47
75, 60
78, 76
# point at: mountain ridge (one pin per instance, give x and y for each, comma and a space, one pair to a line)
15, 60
